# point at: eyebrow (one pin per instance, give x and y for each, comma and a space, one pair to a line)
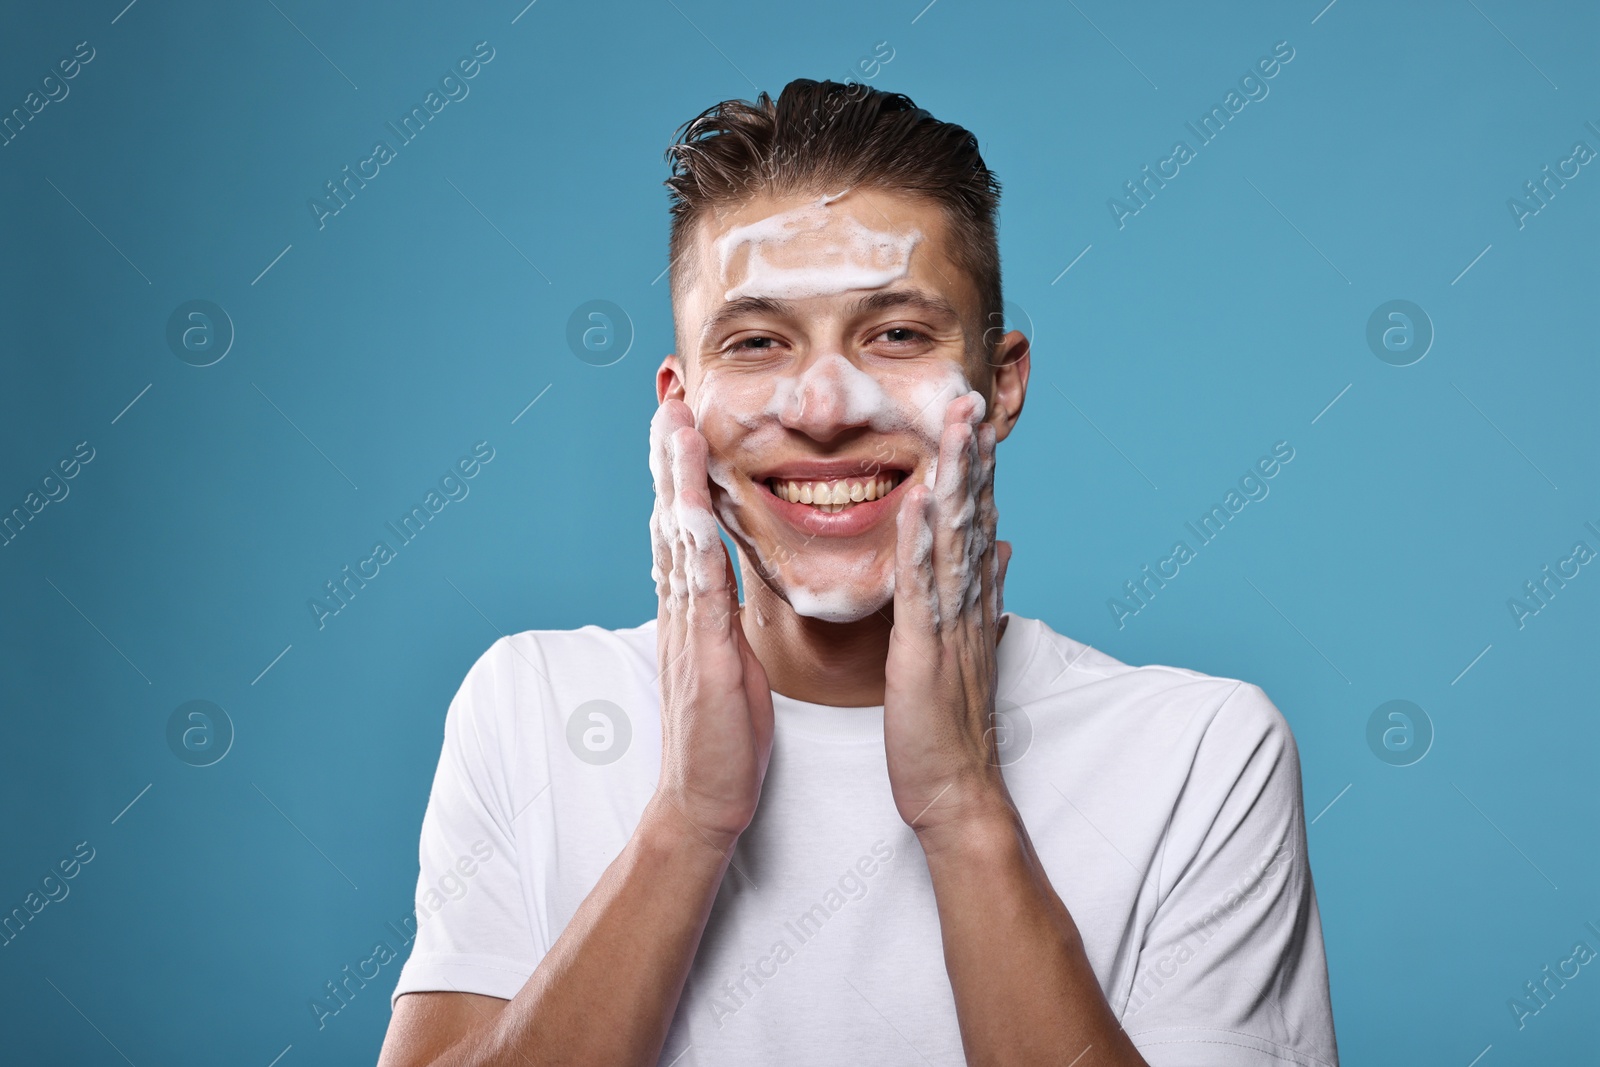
885, 300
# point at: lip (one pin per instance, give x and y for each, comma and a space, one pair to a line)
851, 522
824, 470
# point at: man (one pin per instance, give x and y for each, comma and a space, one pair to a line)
866, 815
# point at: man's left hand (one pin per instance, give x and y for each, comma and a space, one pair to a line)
940, 676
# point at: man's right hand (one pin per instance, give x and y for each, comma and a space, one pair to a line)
716, 707
632, 941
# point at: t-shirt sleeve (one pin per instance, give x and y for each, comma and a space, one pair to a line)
473, 929
1232, 970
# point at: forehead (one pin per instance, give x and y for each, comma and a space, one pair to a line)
817, 245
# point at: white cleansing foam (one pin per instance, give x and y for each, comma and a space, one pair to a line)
813, 250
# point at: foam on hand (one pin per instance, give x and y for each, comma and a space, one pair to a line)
684, 522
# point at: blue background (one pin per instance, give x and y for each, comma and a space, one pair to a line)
1227, 315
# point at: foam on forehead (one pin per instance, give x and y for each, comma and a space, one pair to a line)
814, 250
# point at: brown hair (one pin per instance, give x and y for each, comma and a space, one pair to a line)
819, 136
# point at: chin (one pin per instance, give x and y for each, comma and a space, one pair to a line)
837, 594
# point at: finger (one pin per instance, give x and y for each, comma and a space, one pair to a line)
705, 557
666, 566
974, 548
668, 418
672, 532
660, 556
916, 604
983, 550
660, 538
953, 512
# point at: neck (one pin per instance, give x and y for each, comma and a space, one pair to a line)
840, 664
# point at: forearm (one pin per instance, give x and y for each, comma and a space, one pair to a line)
1024, 990
607, 990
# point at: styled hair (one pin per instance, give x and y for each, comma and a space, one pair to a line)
823, 136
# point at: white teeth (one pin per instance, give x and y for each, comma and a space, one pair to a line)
835, 495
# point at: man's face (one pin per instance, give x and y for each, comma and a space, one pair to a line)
822, 337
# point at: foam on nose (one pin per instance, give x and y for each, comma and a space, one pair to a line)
831, 387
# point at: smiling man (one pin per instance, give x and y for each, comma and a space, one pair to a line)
864, 814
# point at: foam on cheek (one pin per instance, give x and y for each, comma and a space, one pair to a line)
930, 396
814, 251
929, 399
723, 474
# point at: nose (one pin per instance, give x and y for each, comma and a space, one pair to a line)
832, 395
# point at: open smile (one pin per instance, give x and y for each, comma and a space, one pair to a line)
833, 502
836, 494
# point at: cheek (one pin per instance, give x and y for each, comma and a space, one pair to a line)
736, 414
922, 400
721, 411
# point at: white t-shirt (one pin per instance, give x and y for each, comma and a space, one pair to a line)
1163, 803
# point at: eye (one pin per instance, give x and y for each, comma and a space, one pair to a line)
901, 335
758, 343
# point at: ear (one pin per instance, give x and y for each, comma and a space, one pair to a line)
670, 380
1013, 361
